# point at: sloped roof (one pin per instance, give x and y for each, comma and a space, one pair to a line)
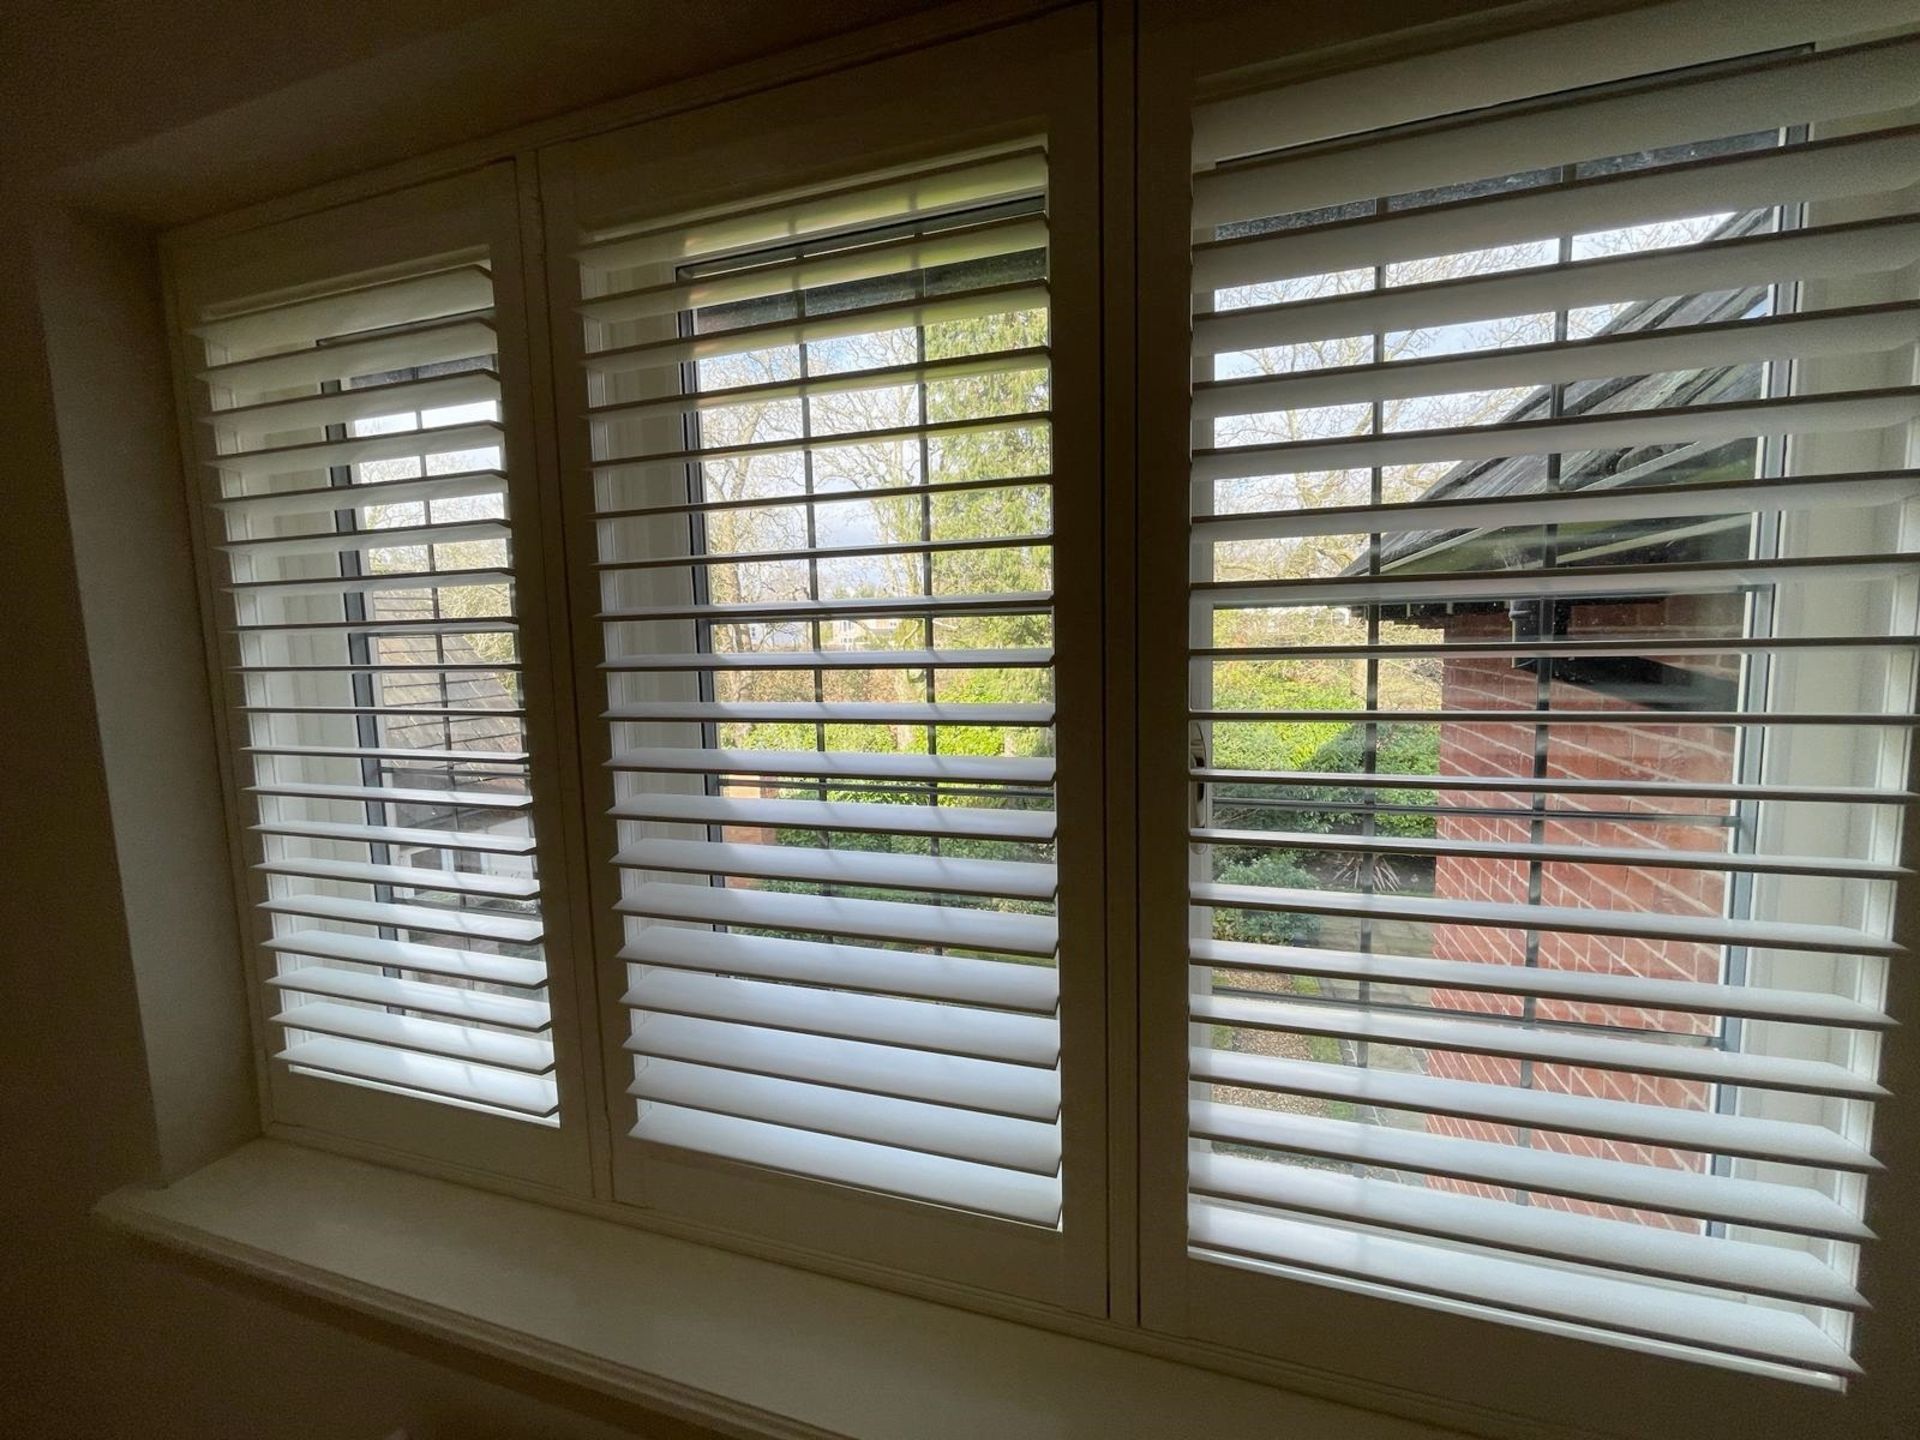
1521, 474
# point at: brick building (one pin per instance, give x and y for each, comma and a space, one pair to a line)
1591, 752
1640, 752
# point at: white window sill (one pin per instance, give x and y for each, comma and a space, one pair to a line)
746, 1346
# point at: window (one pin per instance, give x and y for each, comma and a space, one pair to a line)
1551, 676
367, 554
831, 509
828, 621
1325, 793
397, 647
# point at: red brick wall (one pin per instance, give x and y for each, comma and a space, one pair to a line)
1649, 752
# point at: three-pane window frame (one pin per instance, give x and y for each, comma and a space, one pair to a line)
895, 1241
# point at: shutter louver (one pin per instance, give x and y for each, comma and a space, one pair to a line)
1552, 678
355, 442
821, 481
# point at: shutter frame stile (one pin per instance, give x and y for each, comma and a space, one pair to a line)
719, 769
419, 278
1385, 1219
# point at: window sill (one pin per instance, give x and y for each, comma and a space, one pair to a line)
746, 1346
726, 1341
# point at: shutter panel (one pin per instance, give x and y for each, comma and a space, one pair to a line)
1552, 674
353, 439
821, 477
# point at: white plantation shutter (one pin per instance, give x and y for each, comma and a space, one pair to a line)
1345, 815
821, 473
352, 458
780, 474
1551, 663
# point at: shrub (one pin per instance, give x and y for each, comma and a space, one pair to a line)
1402, 750
1279, 870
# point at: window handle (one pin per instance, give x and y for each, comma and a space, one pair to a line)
1200, 798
